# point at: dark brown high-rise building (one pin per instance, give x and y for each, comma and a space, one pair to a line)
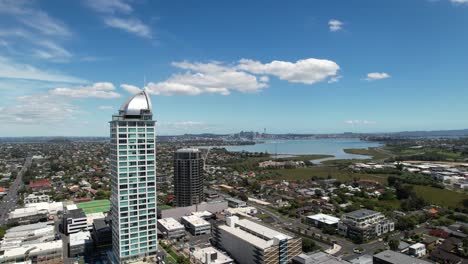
188, 177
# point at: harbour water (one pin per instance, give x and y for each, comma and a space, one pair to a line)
327, 146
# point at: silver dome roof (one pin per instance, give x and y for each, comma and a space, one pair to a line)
136, 103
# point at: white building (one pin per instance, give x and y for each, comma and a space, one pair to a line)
133, 180
320, 220
28, 234
210, 255
249, 242
40, 251
79, 243
196, 225
33, 198
417, 250
170, 228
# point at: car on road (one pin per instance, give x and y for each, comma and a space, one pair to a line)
358, 250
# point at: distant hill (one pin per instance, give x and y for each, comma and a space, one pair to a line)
435, 133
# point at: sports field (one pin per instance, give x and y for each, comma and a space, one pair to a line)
97, 206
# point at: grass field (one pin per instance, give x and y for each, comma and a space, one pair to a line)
251, 163
442, 197
375, 154
97, 206
324, 172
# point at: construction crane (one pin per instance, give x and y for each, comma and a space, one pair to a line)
204, 158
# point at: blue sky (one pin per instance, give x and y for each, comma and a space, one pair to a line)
224, 66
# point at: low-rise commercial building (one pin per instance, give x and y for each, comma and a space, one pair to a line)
33, 198
235, 203
392, 257
74, 221
79, 244
28, 234
33, 252
321, 220
249, 242
101, 233
196, 225
417, 250
210, 255
170, 228
318, 258
27, 216
213, 207
364, 225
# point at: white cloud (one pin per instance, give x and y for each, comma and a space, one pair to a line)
373, 76
130, 88
359, 122
113, 11
103, 90
218, 78
34, 18
14, 70
52, 51
459, 1
131, 25
307, 71
105, 107
335, 25
37, 109
109, 6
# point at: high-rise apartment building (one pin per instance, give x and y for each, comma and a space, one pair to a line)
188, 177
133, 181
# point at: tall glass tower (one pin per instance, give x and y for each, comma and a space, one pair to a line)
133, 180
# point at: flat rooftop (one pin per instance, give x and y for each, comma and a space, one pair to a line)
75, 214
220, 258
195, 220
188, 150
257, 235
170, 224
324, 218
398, 258
261, 229
362, 213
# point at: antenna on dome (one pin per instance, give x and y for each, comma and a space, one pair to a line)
144, 82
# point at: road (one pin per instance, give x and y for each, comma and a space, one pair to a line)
347, 247
9, 201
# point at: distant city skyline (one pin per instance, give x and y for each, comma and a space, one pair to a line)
221, 67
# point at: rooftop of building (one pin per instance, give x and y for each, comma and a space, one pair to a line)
264, 238
170, 223
135, 104
32, 249
76, 213
320, 258
220, 256
188, 150
80, 238
267, 232
324, 218
234, 200
195, 220
398, 258
361, 213
100, 223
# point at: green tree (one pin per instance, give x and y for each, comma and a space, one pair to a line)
393, 244
308, 245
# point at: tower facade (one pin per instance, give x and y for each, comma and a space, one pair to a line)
133, 180
188, 177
